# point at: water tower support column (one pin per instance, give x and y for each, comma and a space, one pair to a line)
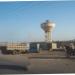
48, 27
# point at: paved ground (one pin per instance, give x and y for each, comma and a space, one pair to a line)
11, 64
43, 62
47, 54
52, 66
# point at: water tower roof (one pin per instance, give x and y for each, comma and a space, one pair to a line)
49, 23
47, 26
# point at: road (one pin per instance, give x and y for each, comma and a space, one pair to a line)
39, 63
13, 64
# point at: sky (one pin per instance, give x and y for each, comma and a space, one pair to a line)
21, 21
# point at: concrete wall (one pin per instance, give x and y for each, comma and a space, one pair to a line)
54, 45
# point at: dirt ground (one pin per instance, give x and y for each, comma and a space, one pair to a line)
37, 63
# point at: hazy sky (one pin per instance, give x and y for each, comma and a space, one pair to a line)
20, 21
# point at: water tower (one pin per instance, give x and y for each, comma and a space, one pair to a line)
48, 28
